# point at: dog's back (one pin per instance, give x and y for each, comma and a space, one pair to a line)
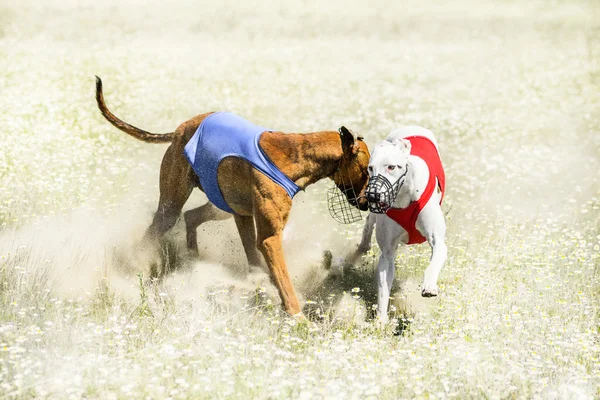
406, 131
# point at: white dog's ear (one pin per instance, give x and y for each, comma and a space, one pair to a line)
403, 145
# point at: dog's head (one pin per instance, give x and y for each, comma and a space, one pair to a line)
387, 172
352, 176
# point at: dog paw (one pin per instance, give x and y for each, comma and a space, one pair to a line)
429, 291
302, 323
363, 248
381, 321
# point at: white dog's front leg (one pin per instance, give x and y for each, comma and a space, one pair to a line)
365, 243
385, 279
388, 237
435, 232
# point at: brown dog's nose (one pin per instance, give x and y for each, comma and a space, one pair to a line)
363, 204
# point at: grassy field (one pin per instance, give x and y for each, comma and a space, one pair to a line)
511, 90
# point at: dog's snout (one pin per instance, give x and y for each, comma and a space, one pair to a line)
363, 204
380, 194
372, 196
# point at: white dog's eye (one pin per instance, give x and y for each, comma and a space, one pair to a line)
391, 167
370, 168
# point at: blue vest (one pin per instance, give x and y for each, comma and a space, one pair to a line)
224, 134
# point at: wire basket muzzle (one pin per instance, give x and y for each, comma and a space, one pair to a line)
339, 207
381, 193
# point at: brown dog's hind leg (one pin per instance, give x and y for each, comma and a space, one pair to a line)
247, 230
176, 185
196, 217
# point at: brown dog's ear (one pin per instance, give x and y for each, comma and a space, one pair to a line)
347, 139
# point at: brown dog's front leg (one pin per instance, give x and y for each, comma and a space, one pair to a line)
272, 250
270, 232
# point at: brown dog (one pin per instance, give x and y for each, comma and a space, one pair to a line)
304, 158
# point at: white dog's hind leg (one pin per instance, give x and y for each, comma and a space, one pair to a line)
435, 232
439, 253
365, 243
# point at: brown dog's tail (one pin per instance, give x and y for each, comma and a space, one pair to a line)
124, 126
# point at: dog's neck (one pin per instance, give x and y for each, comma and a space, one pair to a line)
415, 183
304, 158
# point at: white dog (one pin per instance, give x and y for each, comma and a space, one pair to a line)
406, 188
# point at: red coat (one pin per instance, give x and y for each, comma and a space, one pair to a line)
423, 148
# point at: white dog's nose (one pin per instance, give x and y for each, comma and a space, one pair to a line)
381, 193
373, 197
